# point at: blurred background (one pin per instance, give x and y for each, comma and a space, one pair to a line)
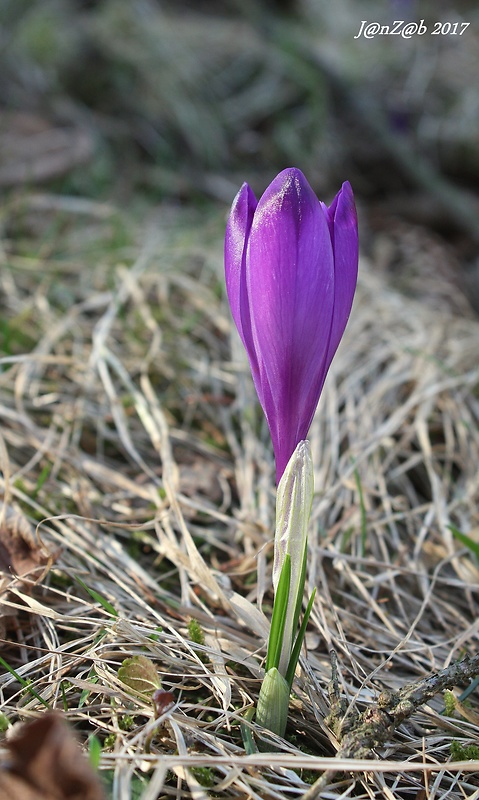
180, 102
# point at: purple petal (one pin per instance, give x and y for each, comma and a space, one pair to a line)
290, 284
237, 232
343, 219
291, 270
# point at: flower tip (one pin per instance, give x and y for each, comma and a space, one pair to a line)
346, 207
291, 172
236, 239
244, 204
290, 182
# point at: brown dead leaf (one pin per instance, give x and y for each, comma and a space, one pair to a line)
6, 614
21, 555
20, 551
46, 763
15, 788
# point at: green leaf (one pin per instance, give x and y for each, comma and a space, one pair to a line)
465, 540
98, 597
300, 594
299, 642
293, 508
140, 674
44, 475
4, 723
92, 678
249, 743
26, 684
273, 702
280, 610
94, 748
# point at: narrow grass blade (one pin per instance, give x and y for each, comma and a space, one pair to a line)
465, 540
98, 597
249, 743
93, 678
24, 683
278, 619
299, 642
300, 593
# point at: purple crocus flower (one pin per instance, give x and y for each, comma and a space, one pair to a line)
291, 269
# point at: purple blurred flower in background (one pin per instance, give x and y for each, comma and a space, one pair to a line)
291, 269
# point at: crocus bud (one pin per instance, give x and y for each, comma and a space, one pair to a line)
291, 269
273, 702
293, 508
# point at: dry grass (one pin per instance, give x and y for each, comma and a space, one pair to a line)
135, 452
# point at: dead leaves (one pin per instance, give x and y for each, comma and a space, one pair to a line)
46, 763
22, 556
20, 551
